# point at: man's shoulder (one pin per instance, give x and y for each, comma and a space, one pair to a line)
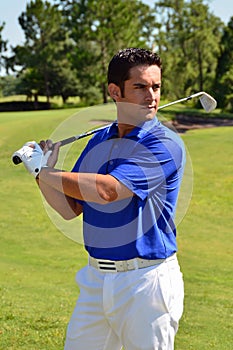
160, 133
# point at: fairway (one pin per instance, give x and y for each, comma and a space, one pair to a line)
38, 262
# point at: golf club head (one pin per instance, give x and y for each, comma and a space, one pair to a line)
208, 102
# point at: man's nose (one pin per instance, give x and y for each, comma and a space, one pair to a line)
151, 94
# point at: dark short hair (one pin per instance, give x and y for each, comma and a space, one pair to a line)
120, 65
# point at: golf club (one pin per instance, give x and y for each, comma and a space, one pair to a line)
207, 102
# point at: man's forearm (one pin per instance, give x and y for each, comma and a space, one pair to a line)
75, 185
89, 187
66, 206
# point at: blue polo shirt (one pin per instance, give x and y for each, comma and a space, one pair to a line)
150, 162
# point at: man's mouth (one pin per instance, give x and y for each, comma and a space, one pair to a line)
151, 107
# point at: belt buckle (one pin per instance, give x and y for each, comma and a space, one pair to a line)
105, 265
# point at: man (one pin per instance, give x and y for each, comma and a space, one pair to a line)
126, 183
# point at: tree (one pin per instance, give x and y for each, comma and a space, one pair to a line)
101, 27
44, 51
8, 85
69, 44
3, 46
223, 84
188, 40
63, 81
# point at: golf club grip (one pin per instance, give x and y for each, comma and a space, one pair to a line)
75, 138
67, 141
16, 159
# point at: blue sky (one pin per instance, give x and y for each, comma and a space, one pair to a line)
10, 10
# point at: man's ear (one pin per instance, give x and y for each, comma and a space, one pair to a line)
114, 91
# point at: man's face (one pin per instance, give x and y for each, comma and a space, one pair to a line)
141, 95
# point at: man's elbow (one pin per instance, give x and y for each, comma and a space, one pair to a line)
68, 216
109, 189
69, 213
108, 196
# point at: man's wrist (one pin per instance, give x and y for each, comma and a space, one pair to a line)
38, 175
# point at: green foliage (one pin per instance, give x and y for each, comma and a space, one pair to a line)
3, 45
68, 45
224, 73
188, 41
92, 96
46, 68
8, 85
100, 28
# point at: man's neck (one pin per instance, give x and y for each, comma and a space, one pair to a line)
124, 129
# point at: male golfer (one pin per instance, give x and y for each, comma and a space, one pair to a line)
126, 183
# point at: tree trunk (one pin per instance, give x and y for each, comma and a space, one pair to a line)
105, 94
200, 68
36, 100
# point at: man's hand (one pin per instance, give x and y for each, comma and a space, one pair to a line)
35, 156
51, 156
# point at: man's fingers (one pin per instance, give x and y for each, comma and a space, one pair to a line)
49, 144
52, 160
56, 145
42, 144
46, 145
50, 152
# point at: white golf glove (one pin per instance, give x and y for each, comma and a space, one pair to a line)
32, 157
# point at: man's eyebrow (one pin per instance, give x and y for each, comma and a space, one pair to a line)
139, 84
142, 85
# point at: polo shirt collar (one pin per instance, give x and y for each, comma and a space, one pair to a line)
138, 132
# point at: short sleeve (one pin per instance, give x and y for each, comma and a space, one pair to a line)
149, 168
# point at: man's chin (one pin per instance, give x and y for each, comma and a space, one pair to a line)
134, 114
149, 115
137, 120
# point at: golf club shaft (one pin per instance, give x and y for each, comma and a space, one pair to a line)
94, 131
181, 100
81, 136
17, 160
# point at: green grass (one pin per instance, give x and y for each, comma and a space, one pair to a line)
205, 241
57, 100
38, 263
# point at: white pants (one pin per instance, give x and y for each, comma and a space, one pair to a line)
138, 309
